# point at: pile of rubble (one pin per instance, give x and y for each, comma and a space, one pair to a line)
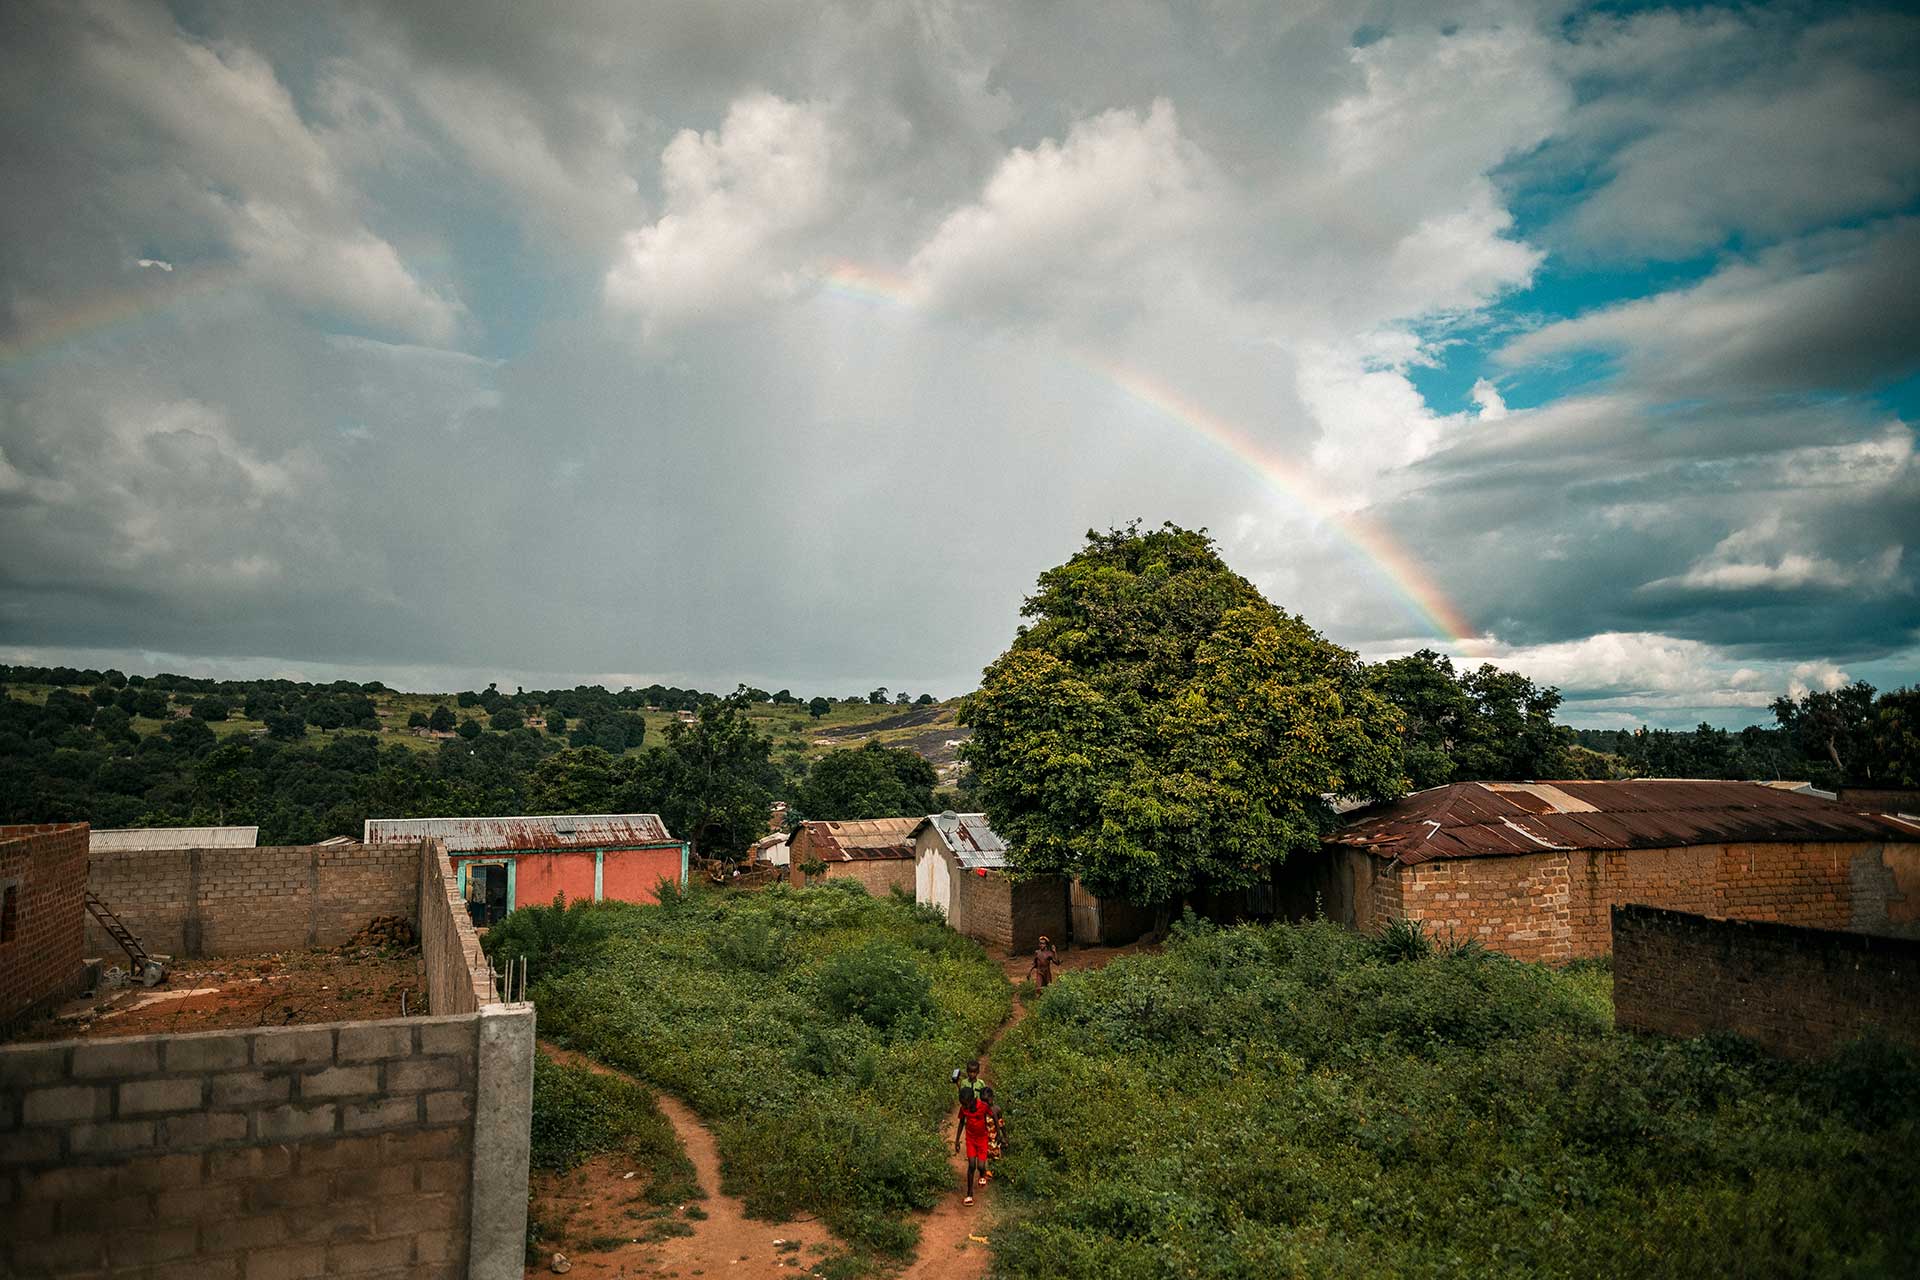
386, 931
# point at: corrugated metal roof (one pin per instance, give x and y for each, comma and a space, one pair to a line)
552, 831
862, 838
1489, 819
134, 839
974, 842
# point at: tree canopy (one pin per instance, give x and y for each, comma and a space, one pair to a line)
868, 781
1483, 725
1159, 729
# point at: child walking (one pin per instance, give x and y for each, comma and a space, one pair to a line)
975, 1125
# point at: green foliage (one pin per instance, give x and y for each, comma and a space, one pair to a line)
469, 729
817, 707
1159, 729
579, 1113
442, 720
1404, 939
1289, 1101
504, 720
554, 940
868, 781
712, 781
881, 984
755, 1009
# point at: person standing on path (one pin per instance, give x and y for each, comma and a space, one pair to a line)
975, 1125
1043, 959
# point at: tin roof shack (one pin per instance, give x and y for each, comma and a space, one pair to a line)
503, 863
878, 852
43, 888
1533, 869
961, 867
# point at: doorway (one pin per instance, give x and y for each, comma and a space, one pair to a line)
489, 892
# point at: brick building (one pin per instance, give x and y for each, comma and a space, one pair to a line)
503, 863
878, 852
961, 867
1533, 869
43, 886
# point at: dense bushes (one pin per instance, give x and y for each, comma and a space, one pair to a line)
814, 1028
579, 1113
1289, 1101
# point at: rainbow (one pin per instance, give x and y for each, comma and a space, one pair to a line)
1402, 572
103, 312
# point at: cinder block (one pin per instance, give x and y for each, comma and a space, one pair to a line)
146, 1096
117, 1135
381, 1040
289, 1193
452, 1035
438, 1176
338, 1082
198, 1204
282, 1123
31, 1064
380, 1113
302, 1047
339, 1217
354, 1258
61, 1104
143, 1248
95, 1058
75, 1182
215, 1051
246, 1234
199, 1269
424, 1144
341, 1153
58, 1255
292, 1263
204, 1129
250, 1088
449, 1107
407, 1214
433, 1246
158, 1172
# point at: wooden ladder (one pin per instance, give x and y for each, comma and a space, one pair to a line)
137, 956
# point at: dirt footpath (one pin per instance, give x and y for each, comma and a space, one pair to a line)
726, 1243
955, 1237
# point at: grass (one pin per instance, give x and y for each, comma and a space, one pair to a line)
813, 1028
1292, 1101
579, 1113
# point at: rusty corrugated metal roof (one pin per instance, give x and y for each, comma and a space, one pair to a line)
552, 831
1490, 819
974, 842
862, 838
141, 839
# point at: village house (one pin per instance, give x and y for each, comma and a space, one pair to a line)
961, 867
878, 852
1533, 869
504, 863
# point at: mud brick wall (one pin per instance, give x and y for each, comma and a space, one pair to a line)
214, 902
1799, 992
46, 868
1555, 906
1004, 914
879, 874
459, 977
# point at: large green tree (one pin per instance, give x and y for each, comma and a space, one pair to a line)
1479, 725
868, 781
713, 781
1159, 729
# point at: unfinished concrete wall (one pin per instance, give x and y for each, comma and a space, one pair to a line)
222, 902
459, 978
43, 882
880, 875
348, 1149
1796, 991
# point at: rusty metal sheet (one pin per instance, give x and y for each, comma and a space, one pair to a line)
1471, 819
526, 834
862, 839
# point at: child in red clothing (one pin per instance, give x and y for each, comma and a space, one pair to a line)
976, 1124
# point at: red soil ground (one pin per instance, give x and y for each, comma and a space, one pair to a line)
280, 990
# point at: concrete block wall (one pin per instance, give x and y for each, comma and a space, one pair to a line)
1008, 915
1799, 992
215, 902
880, 875
348, 1149
46, 868
459, 977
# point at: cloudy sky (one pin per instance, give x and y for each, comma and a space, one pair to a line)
787, 343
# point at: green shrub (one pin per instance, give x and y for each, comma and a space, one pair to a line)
553, 940
880, 984
1292, 1101
579, 1113
1404, 939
